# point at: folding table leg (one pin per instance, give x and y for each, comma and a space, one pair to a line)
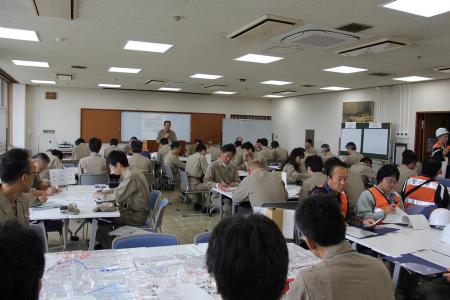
396, 276
93, 234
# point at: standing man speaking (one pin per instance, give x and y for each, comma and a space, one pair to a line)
167, 133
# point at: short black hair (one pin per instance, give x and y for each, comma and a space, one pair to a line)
57, 153
117, 156
258, 141
13, 164
228, 148
21, 261
366, 160
309, 141
200, 147
264, 142
275, 144
319, 218
167, 121
163, 141
175, 144
79, 141
408, 157
95, 144
136, 146
325, 146
331, 164
248, 257
238, 143
42, 157
133, 138
114, 142
351, 145
387, 171
315, 162
248, 146
431, 167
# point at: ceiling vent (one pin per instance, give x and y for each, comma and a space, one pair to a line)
61, 9
214, 86
64, 77
308, 85
79, 67
264, 27
284, 93
354, 27
443, 69
155, 82
380, 74
278, 50
316, 36
373, 47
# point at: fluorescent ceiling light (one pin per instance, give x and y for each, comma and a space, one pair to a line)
29, 63
44, 81
124, 70
145, 46
224, 93
335, 88
273, 96
206, 76
108, 85
424, 8
169, 89
18, 34
345, 70
413, 78
257, 58
276, 82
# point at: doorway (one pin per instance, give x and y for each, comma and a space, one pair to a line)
426, 125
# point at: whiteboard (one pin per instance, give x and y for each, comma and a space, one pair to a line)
250, 130
376, 141
351, 135
145, 125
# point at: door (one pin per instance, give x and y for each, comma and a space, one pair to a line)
100, 123
426, 125
206, 127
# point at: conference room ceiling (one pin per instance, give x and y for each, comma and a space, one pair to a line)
198, 29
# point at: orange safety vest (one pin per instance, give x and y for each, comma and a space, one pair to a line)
344, 203
424, 195
380, 199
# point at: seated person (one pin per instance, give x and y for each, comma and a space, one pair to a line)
163, 150
214, 150
22, 261
94, 163
126, 148
343, 273
337, 173
381, 199
56, 161
326, 153
173, 161
309, 147
80, 150
138, 161
364, 169
238, 145
280, 155
132, 197
196, 166
407, 168
265, 152
441, 150
248, 258
259, 187
354, 157
314, 169
293, 167
191, 148
240, 160
112, 146
16, 173
41, 188
424, 190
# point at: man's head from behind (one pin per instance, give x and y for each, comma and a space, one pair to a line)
431, 168
367, 160
409, 159
16, 168
248, 257
248, 148
95, 144
313, 164
254, 166
40, 161
79, 141
21, 261
175, 147
201, 148
136, 146
320, 222
227, 153
114, 142
337, 174
350, 147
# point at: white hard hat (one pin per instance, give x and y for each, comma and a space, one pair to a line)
441, 131
440, 217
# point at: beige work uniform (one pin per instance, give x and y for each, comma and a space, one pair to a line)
317, 179
15, 211
293, 176
354, 187
404, 174
196, 166
80, 151
139, 162
172, 136
267, 154
108, 150
214, 151
280, 155
175, 164
93, 164
366, 172
216, 173
353, 159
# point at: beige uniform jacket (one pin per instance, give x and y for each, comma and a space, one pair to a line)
15, 211
139, 162
259, 188
364, 171
280, 155
327, 155
133, 195
343, 274
172, 136
214, 151
353, 159
93, 164
175, 164
293, 176
162, 152
317, 179
241, 162
311, 151
190, 149
354, 187
109, 149
217, 172
267, 154
196, 166
404, 173
80, 151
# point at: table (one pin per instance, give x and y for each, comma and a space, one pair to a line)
141, 273
403, 241
82, 196
292, 189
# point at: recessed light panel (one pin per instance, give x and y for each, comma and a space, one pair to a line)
124, 70
413, 78
424, 8
109, 85
276, 82
169, 89
43, 81
335, 88
149, 47
273, 96
224, 93
18, 34
206, 76
345, 70
257, 58
30, 63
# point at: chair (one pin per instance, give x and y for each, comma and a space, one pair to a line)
168, 176
155, 198
159, 215
39, 228
202, 238
150, 177
144, 240
91, 179
185, 190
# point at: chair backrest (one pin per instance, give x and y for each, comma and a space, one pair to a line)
184, 181
39, 228
91, 179
168, 171
160, 214
155, 196
144, 240
150, 177
202, 238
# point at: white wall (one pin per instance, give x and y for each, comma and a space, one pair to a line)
63, 114
18, 117
323, 112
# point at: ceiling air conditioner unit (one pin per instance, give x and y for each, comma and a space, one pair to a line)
317, 36
443, 69
62, 9
374, 47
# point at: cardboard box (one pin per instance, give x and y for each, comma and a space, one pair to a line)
284, 218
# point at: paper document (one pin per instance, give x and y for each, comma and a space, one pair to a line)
434, 257
418, 222
398, 217
359, 233
62, 176
184, 291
